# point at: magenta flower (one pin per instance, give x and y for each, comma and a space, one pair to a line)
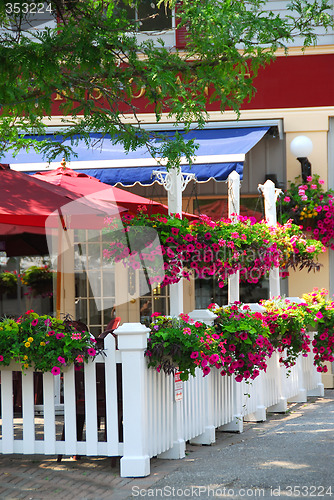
61, 360
194, 355
91, 351
59, 335
34, 322
51, 332
47, 322
206, 370
55, 370
1, 358
213, 358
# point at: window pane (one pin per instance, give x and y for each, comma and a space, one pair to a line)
152, 18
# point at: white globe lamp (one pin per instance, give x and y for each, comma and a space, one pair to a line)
301, 146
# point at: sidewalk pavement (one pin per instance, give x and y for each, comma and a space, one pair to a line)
290, 455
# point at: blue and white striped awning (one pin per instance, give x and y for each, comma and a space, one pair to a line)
220, 151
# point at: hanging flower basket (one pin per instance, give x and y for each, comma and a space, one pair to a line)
8, 282
39, 279
310, 206
172, 249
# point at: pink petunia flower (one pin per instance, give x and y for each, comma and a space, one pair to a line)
55, 370
34, 322
206, 370
91, 351
61, 360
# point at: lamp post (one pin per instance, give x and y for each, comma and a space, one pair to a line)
301, 146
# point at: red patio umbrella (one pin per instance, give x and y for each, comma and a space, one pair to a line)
28, 201
27, 204
84, 184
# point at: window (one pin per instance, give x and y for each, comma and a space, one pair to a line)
149, 17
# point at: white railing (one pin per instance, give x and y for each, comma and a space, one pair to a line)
148, 417
29, 444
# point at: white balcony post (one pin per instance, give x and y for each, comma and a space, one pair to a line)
271, 194
175, 182
233, 212
132, 342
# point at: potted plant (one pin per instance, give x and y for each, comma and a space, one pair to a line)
246, 340
322, 322
237, 344
309, 205
45, 343
8, 282
39, 279
173, 248
287, 323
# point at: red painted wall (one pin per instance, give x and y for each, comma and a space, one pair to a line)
294, 82
288, 82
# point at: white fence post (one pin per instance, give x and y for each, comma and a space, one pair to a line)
132, 342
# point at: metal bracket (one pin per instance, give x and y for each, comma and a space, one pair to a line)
166, 179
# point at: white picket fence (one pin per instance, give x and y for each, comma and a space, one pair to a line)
154, 416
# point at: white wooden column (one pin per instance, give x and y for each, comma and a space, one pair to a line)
175, 182
132, 342
270, 194
233, 212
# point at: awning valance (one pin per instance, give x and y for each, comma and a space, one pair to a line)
220, 151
